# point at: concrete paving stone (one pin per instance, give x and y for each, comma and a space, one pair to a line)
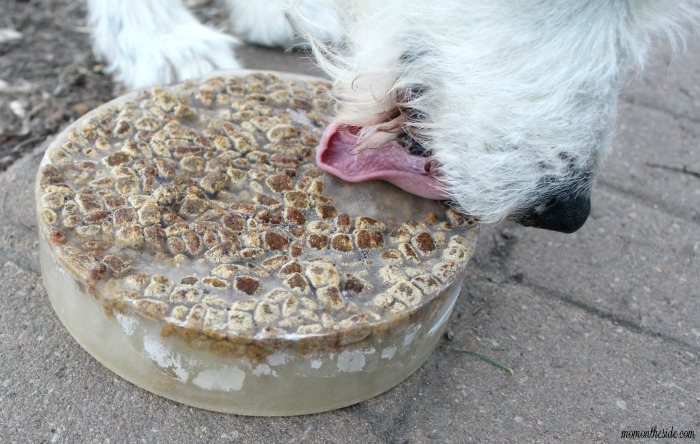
18, 228
577, 377
670, 82
650, 151
629, 262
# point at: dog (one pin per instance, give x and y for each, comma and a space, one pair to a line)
505, 108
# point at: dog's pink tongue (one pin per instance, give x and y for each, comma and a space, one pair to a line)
337, 155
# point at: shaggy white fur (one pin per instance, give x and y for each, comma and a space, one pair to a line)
156, 41
284, 23
514, 101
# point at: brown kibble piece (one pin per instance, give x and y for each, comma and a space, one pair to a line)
233, 222
193, 243
246, 284
128, 184
342, 243
369, 240
279, 132
185, 295
400, 234
319, 227
159, 287
48, 217
456, 253
445, 271
266, 313
129, 236
118, 158
367, 223
244, 207
284, 160
167, 194
296, 249
224, 253
96, 216
88, 202
240, 321
275, 262
290, 268
331, 297
326, 211
424, 243
192, 206
113, 202
175, 245
407, 293
214, 282
152, 308
391, 273
322, 273
279, 183
149, 214
266, 201
189, 280
353, 284
460, 220
214, 182
318, 241
297, 283
251, 253
155, 237
427, 283
343, 223
390, 255
117, 266
165, 168
296, 199
273, 241
316, 186
294, 217
409, 253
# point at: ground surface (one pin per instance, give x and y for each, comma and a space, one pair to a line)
601, 328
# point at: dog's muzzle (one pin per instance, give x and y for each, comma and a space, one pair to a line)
565, 213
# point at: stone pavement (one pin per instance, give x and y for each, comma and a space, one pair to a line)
601, 328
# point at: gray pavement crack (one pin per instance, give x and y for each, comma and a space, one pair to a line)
393, 425
684, 169
679, 213
643, 104
614, 319
487, 268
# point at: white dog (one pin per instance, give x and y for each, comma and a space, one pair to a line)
505, 107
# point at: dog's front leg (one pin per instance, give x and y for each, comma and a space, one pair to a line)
149, 42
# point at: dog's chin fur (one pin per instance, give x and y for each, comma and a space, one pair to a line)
515, 101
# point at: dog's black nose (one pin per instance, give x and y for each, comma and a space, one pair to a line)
565, 213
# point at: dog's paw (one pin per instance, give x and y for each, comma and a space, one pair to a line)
182, 53
156, 42
281, 23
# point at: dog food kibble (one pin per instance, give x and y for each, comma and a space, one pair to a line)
190, 243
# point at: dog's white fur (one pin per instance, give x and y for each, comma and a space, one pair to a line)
517, 99
156, 41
